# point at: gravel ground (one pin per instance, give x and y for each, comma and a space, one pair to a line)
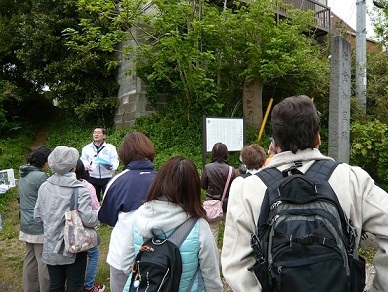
370, 273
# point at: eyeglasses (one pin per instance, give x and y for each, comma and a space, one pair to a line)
97, 132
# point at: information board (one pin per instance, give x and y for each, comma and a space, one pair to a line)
230, 131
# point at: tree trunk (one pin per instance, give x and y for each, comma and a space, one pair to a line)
253, 101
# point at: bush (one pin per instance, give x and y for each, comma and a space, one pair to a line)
369, 148
14, 150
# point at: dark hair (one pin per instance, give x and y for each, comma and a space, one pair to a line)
136, 146
219, 152
102, 129
178, 180
39, 156
80, 171
253, 156
295, 124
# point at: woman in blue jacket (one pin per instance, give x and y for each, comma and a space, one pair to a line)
124, 194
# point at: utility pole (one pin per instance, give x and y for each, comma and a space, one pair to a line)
361, 52
361, 55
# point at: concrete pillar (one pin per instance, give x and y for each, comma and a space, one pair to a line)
132, 92
339, 109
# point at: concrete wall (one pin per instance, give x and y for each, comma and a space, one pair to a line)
132, 93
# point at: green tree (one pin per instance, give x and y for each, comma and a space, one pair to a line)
377, 86
200, 57
380, 23
37, 62
13, 85
377, 67
280, 55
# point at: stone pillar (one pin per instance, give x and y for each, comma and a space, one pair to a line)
132, 92
339, 109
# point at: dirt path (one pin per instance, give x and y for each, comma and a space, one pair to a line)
41, 137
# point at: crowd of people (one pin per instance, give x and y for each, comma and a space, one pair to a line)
139, 199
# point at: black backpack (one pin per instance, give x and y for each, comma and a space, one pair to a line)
158, 264
304, 241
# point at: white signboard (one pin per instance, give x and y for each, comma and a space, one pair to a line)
7, 177
230, 131
7, 180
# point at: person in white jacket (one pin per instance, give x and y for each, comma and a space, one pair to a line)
100, 160
295, 127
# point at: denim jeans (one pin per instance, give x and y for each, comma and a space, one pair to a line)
73, 274
91, 270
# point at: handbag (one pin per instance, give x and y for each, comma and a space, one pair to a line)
213, 208
77, 237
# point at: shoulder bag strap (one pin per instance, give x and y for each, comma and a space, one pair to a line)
74, 200
227, 184
178, 237
180, 233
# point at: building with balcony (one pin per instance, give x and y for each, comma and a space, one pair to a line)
322, 12
322, 21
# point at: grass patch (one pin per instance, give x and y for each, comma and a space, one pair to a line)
11, 250
367, 253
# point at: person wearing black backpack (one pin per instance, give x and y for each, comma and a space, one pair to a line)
356, 204
154, 260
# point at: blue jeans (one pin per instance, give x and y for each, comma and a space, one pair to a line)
91, 271
72, 274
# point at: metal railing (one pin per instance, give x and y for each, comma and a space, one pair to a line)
322, 12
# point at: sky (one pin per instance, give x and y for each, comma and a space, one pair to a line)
347, 10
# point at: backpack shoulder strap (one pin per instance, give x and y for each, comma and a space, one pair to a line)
197, 275
246, 175
270, 175
180, 233
322, 169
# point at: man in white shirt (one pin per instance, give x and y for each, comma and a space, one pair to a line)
100, 159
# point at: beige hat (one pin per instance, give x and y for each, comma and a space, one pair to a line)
63, 159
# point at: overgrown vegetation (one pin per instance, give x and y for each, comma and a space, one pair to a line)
380, 23
203, 59
196, 55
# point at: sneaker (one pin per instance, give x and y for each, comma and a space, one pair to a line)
95, 288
